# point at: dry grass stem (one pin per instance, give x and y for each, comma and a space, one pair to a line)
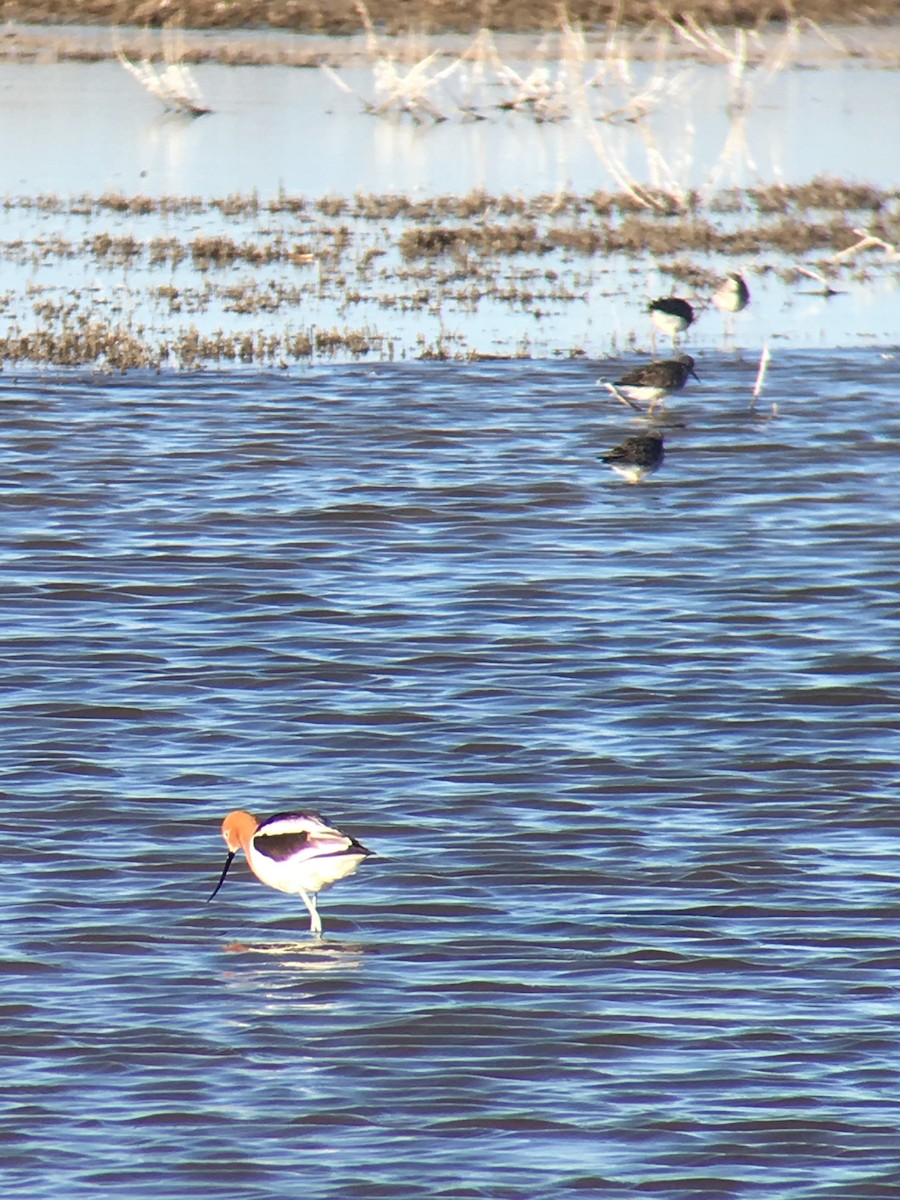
867, 241
174, 86
396, 87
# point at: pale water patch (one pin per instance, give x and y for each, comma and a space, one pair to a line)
74, 127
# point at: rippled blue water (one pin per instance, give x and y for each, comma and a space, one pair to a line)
628, 757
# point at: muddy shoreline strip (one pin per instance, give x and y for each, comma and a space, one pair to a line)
434, 16
96, 33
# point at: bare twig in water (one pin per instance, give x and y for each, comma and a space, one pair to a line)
761, 373
538, 92
174, 86
633, 109
825, 287
867, 241
473, 64
398, 88
746, 73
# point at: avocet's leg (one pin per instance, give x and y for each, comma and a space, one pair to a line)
315, 921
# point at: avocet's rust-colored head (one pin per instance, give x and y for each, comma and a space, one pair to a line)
237, 830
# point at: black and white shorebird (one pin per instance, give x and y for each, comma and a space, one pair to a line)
732, 295
654, 382
671, 315
298, 853
637, 457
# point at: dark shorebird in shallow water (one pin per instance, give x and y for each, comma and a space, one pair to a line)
297, 853
637, 457
654, 382
732, 295
671, 315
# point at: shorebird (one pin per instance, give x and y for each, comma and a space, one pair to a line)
671, 315
297, 853
732, 295
654, 382
637, 457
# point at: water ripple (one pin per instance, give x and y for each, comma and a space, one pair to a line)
628, 757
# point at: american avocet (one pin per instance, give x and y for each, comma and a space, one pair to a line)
732, 295
297, 853
637, 457
654, 382
671, 315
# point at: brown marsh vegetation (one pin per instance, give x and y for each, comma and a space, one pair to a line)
279, 280
181, 32
184, 280
343, 16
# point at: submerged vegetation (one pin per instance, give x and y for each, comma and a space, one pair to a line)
244, 279
186, 280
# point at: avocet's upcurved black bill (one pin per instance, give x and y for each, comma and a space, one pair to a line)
228, 861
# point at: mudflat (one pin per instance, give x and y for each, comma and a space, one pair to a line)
431, 16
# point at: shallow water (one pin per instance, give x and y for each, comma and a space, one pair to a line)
628, 757
72, 129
